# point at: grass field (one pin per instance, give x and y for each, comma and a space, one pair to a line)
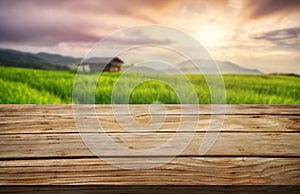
26, 86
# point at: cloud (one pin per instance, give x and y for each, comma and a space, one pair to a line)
23, 22
73, 26
254, 9
284, 38
43, 35
52, 22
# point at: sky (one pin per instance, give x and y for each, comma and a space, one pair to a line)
263, 35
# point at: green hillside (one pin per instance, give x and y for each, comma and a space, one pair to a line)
18, 85
13, 58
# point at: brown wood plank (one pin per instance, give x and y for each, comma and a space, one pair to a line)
258, 144
227, 144
180, 171
167, 189
9, 110
171, 123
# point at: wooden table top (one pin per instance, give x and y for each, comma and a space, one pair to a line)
257, 144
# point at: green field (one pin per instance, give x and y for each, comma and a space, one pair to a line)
27, 86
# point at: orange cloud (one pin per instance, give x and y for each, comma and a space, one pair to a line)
254, 9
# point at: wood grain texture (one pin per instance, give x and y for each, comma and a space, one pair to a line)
172, 123
8, 110
167, 189
180, 171
40, 145
70, 145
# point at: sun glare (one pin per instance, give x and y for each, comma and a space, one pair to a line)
211, 35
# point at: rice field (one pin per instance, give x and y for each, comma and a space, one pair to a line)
27, 86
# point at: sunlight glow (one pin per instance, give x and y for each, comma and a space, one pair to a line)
211, 35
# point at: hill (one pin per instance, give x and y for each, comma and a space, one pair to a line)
207, 67
13, 58
48, 61
59, 59
187, 67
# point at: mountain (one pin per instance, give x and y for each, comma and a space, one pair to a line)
204, 67
46, 61
228, 67
208, 67
59, 59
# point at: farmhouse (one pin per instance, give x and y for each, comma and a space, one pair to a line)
101, 64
